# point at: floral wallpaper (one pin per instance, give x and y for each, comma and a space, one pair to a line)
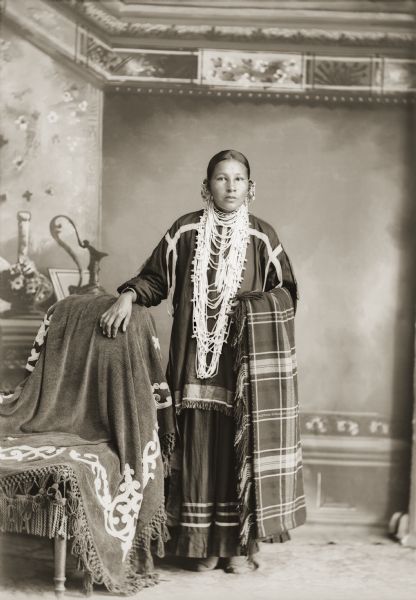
50, 150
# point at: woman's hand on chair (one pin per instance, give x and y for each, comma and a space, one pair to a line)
117, 315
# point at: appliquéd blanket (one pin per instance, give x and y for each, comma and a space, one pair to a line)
268, 447
84, 441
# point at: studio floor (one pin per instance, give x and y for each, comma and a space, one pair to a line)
325, 563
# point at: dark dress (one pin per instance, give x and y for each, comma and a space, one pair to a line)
202, 504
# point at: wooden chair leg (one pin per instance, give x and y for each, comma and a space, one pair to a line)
59, 565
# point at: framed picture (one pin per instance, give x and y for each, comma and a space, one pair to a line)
62, 279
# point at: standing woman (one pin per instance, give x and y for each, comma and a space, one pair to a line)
207, 261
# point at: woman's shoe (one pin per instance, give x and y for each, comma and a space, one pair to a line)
239, 565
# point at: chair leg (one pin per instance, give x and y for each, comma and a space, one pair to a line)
59, 565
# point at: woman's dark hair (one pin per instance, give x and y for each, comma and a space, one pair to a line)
227, 155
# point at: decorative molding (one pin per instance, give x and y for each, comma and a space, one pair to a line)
318, 98
278, 76
109, 23
348, 451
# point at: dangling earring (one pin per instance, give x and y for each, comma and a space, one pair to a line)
205, 193
251, 192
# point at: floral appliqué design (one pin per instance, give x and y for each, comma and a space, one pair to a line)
163, 399
121, 512
19, 453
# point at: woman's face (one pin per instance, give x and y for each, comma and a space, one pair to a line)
229, 185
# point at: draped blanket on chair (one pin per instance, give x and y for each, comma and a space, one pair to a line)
268, 449
84, 441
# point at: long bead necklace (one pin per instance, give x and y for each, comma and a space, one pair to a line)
220, 246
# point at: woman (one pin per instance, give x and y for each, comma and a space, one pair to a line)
207, 261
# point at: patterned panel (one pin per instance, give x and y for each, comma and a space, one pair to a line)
399, 75
140, 66
340, 73
252, 69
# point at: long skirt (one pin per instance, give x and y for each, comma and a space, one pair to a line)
202, 500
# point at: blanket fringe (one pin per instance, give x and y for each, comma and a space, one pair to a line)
242, 442
47, 502
239, 322
33, 504
152, 538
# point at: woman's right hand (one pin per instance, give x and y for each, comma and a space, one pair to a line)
118, 314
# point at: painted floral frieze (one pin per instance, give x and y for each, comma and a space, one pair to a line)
352, 425
256, 69
169, 66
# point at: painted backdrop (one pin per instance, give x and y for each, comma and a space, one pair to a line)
50, 150
335, 183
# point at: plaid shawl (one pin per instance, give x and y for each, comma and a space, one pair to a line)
83, 442
268, 448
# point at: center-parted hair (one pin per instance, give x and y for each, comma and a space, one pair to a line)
227, 155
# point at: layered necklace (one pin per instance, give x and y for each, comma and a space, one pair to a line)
220, 248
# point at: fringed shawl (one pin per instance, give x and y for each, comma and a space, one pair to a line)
83, 444
268, 448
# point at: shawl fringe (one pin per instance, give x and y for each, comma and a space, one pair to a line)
245, 489
206, 405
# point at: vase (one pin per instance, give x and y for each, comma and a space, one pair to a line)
22, 285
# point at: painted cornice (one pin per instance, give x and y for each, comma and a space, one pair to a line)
245, 22
283, 75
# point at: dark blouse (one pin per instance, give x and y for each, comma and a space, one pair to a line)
168, 273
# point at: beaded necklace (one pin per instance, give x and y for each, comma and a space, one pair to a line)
220, 246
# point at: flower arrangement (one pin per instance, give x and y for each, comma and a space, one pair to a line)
24, 287
21, 284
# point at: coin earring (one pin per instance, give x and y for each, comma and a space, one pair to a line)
205, 193
251, 192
